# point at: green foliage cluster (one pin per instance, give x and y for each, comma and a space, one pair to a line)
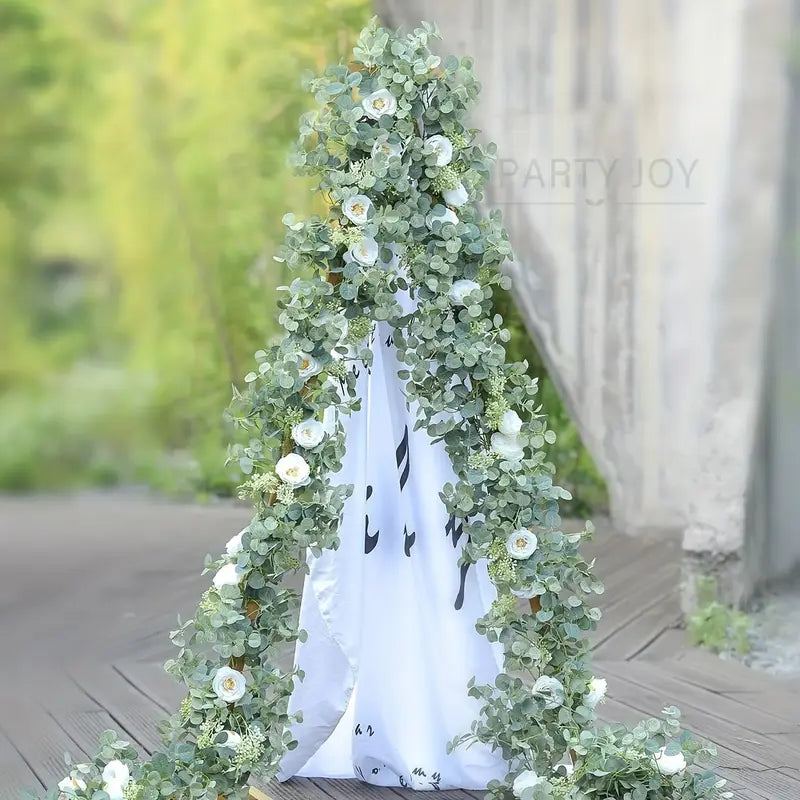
386, 126
142, 179
714, 625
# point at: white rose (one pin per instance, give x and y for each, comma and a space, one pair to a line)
448, 215
71, 785
460, 289
527, 593
293, 469
522, 544
669, 765
442, 147
357, 208
365, 252
389, 149
115, 790
456, 196
596, 693
229, 684
116, 777
510, 424
379, 103
308, 365
228, 575
526, 780
234, 545
232, 740
551, 689
508, 447
308, 433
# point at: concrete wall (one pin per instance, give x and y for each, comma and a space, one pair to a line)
642, 144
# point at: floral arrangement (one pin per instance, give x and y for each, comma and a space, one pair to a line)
402, 175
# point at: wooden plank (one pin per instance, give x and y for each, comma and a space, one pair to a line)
39, 741
719, 705
706, 669
150, 678
318, 789
296, 789
667, 645
16, 771
135, 715
638, 598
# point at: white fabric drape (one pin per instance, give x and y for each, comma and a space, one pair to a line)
390, 615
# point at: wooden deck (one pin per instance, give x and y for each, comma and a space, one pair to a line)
90, 587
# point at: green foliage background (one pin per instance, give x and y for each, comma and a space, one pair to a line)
143, 179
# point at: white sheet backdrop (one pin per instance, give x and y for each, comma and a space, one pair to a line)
390, 615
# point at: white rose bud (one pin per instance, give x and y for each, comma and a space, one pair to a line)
308, 433
308, 365
507, 447
229, 684
448, 215
526, 780
356, 209
460, 289
389, 149
669, 765
365, 252
293, 469
522, 544
455, 197
232, 740
228, 575
596, 693
510, 424
379, 103
234, 545
68, 786
551, 689
442, 147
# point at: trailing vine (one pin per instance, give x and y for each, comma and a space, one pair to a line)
402, 175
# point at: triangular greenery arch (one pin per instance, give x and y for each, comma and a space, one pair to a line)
401, 174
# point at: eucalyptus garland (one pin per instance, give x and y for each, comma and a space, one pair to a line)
401, 174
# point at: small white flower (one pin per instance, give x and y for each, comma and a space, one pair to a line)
116, 777
308, 365
69, 786
365, 252
522, 544
448, 215
442, 147
228, 575
356, 209
460, 289
526, 780
308, 433
510, 424
379, 103
508, 447
389, 149
551, 689
234, 545
232, 740
669, 765
455, 197
293, 469
526, 593
596, 693
229, 684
